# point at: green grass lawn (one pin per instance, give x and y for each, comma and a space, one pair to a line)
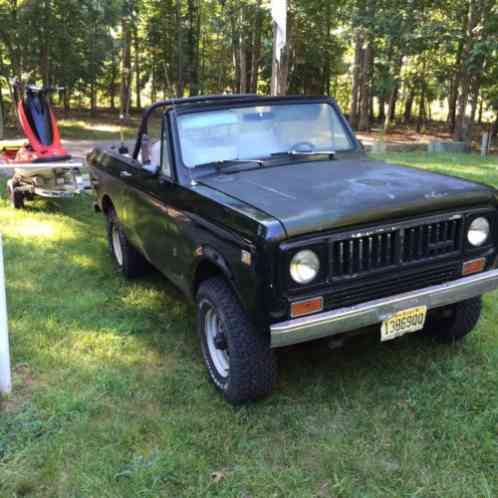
111, 398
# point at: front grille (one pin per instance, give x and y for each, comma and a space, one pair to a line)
431, 240
369, 289
361, 254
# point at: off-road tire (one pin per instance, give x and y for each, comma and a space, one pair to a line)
252, 363
16, 197
452, 323
131, 264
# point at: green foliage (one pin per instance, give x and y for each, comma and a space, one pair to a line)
421, 50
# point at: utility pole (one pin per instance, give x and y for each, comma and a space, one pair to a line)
280, 62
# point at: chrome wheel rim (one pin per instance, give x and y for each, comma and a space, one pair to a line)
213, 326
116, 245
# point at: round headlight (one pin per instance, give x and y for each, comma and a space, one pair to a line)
304, 267
478, 232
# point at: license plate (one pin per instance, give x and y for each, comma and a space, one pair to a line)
403, 322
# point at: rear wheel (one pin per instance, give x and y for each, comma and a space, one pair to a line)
453, 323
16, 197
238, 357
129, 261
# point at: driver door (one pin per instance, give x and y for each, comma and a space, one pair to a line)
151, 212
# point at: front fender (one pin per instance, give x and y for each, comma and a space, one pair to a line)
242, 278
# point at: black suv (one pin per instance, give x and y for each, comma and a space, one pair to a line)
268, 214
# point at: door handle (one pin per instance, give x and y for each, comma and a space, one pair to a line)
125, 174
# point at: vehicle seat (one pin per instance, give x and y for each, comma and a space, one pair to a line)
261, 142
155, 153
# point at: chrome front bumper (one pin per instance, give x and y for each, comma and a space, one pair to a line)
342, 320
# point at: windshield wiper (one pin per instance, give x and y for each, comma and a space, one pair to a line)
231, 162
302, 153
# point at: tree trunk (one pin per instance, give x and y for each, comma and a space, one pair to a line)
393, 102
126, 67
242, 63
1, 112
138, 82
391, 107
452, 105
393, 97
11, 43
235, 50
462, 123
382, 108
326, 71
112, 85
364, 122
481, 111
153, 86
421, 110
409, 106
193, 46
67, 100
476, 85
454, 86
45, 44
180, 86
93, 99
355, 94
202, 64
256, 47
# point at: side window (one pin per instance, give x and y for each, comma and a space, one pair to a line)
166, 150
150, 153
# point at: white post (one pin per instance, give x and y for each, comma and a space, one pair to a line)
5, 376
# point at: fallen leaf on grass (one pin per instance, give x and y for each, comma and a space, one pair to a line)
324, 492
218, 476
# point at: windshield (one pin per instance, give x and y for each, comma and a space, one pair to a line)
258, 132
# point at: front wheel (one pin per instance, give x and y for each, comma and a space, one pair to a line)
452, 323
238, 358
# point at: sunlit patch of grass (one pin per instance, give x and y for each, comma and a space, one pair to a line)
104, 128
89, 125
470, 166
94, 129
111, 398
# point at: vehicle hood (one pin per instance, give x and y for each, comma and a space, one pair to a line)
312, 196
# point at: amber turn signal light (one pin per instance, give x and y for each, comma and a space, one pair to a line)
307, 307
474, 266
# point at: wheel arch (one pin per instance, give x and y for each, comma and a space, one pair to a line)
210, 264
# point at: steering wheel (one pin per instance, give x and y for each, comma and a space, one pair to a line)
303, 147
